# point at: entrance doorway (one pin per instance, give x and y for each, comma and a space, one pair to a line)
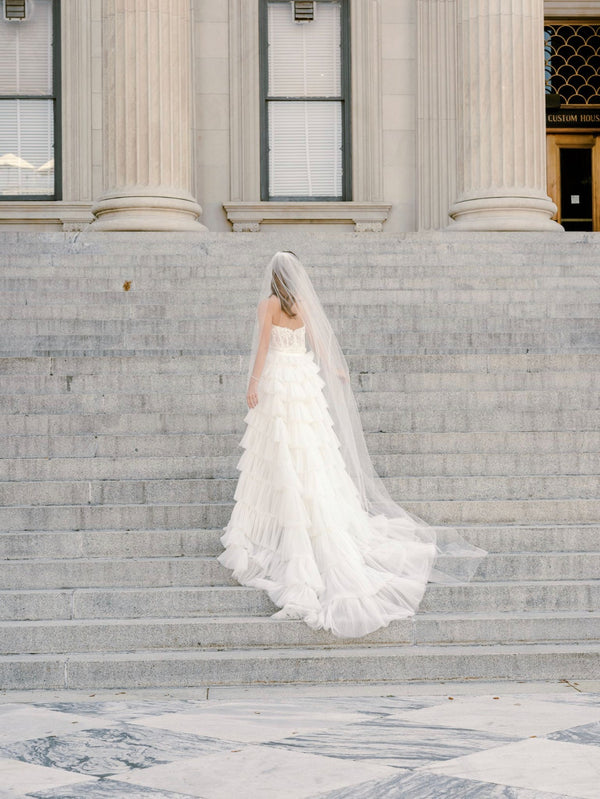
574, 179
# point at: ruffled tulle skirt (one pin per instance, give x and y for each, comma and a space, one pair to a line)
298, 530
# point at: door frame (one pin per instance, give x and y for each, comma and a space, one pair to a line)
557, 141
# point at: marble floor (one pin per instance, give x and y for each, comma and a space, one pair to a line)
452, 741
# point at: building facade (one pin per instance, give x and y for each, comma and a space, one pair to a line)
239, 115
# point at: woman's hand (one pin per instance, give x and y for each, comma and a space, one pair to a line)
251, 395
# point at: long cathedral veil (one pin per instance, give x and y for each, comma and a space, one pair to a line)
457, 560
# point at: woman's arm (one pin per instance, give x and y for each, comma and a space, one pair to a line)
266, 311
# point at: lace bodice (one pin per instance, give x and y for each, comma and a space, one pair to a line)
284, 339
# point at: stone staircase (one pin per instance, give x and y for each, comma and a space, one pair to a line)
476, 363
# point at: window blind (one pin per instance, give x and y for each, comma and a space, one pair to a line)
26, 147
305, 149
304, 59
26, 52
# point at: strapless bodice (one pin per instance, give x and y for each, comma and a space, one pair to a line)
284, 339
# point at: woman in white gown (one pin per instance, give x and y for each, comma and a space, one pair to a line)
312, 524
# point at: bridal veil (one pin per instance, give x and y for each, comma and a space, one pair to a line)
456, 559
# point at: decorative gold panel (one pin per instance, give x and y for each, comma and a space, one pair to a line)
573, 62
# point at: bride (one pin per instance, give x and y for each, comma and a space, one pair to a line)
313, 525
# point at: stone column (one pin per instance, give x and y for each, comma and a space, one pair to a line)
436, 112
501, 181
146, 124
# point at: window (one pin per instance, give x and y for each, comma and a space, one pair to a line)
305, 109
29, 100
572, 53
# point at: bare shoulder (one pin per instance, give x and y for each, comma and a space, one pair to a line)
270, 303
269, 307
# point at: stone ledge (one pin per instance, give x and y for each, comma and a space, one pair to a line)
67, 216
247, 217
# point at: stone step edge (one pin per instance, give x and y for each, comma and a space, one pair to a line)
165, 360
256, 620
537, 584
211, 558
183, 352
233, 477
233, 474
212, 369
215, 396
209, 530
229, 504
307, 652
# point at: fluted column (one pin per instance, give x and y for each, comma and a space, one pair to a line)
146, 122
501, 181
436, 112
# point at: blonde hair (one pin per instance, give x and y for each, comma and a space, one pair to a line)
280, 290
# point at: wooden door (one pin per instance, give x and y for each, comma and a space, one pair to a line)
574, 215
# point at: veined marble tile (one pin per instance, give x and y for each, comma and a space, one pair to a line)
107, 789
252, 723
18, 722
394, 742
434, 786
586, 734
518, 717
536, 763
256, 771
105, 751
575, 699
369, 706
124, 711
17, 778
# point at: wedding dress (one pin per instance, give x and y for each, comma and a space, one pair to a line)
311, 524
298, 530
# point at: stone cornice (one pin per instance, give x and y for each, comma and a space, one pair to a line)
66, 215
248, 216
571, 8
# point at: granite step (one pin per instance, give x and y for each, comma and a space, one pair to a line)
22, 545
222, 601
243, 301
377, 664
80, 279
579, 339
228, 401
156, 491
91, 417
120, 635
207, 383
481, 449
213, 514
92, 467
352, 332
473, 405
542, 309
568, 261
207, 571
224, 363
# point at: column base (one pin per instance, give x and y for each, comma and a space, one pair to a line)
504, 213
150, 212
